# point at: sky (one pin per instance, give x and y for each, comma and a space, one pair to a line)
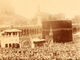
29, 8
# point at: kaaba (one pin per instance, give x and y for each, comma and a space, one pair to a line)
61, 29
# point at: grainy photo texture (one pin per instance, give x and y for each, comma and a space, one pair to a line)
39, 30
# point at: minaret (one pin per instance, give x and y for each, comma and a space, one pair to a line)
51, 36
51, 32
39, 16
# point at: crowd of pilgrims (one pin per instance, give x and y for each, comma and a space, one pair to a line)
57, 51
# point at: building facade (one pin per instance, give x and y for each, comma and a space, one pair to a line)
10, 38
20, 36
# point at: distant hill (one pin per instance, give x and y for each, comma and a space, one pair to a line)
12, 19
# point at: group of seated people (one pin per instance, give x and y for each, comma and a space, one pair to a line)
57, 51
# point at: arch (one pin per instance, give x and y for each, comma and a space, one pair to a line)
6, 45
